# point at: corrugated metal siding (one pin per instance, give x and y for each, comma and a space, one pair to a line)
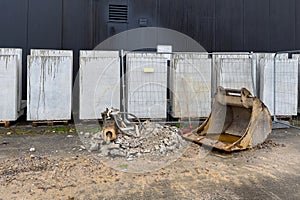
146, 9
217, 24
45, 24
297, 8
282, 25
172, 14
76, 29
229, 33
256, 26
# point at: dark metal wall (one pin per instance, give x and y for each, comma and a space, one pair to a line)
218, 25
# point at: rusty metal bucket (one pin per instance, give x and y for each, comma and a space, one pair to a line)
237, 121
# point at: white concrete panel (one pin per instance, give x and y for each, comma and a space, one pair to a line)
286, 85
147, 85
49, 87
50, 52
191, 85
99, 54
297, 56
236, 73
236, 63
260, 56
270, 55
193, 55
99, 82
9, 100
230, 55
18, 53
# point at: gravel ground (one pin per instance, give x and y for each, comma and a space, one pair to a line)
53, 163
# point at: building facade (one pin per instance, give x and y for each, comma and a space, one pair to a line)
218, 25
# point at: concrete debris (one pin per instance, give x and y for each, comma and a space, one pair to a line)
82, 147
269, 144
155, 140
32, 149
94, 147
87, 135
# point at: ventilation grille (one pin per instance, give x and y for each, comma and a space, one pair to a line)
118, 13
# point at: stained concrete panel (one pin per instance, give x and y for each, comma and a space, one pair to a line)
49, 88
99, 82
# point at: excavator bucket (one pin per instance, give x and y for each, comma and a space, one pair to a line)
237, 121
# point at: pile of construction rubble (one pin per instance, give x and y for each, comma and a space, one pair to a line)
154, 141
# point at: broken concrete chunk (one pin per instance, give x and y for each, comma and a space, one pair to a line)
154, 140
94, 147
32, 149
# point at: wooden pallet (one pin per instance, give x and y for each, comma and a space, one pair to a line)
6, 124
90, 122
285, 118
50, 123
194, 119
149, 119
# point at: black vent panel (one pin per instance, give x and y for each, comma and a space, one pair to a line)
118, 13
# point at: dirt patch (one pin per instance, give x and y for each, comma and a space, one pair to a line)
59, 167
155, 147
268, 144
